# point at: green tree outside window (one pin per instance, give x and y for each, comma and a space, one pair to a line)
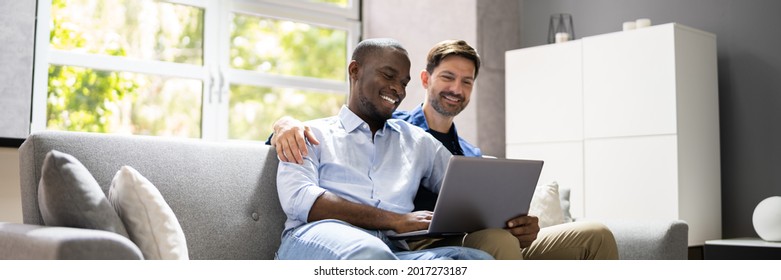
83, 99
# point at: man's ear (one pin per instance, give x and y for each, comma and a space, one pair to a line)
424, 76
352, 70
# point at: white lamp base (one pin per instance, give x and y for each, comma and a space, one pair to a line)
767, 219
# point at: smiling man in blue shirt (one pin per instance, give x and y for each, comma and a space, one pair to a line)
361, 180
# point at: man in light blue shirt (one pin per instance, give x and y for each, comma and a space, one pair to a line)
362, 178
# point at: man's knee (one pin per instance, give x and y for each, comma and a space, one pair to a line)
333, 239
473, 254
499, 243
598, 231
371, 248
492, 237
602, 242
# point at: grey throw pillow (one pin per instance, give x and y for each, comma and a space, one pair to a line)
69, 196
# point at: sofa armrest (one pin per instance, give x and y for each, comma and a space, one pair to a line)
650, 239
24, 241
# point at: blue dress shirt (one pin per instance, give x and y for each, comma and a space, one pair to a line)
383, 171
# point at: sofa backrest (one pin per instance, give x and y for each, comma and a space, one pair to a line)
223, 193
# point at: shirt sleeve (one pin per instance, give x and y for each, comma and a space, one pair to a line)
469, 149
297, 186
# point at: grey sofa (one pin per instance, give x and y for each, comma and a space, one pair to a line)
224, 195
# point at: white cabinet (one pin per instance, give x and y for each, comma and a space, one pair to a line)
627, 120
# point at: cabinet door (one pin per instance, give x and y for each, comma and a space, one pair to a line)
629, 83
563, 163
631, 177
544, 94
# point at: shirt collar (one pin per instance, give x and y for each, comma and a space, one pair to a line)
351, 121
417, 117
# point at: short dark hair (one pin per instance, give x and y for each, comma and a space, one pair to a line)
451, 47
372, 46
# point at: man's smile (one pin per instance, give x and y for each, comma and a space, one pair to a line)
452, 98
391, 100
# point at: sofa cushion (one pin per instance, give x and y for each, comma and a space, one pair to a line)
69, 196
546, 205
564, 194
150, 222
223, 192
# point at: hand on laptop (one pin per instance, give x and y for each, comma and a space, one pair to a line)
418, 220
525, 228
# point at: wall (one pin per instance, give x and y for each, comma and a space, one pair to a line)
17, 26
17, 29
418, 25
749, 64
10, 194
498, 30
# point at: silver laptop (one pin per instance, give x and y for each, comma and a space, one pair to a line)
479, 193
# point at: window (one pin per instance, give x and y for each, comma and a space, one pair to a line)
190, 68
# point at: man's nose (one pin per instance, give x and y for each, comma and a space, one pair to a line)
457, 88
397, 88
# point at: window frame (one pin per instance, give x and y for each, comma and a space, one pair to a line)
215, 74
352, 11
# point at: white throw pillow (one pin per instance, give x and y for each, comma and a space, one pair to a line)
564, 194
546, 205
150, 222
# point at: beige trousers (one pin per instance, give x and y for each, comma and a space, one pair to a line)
568, 241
